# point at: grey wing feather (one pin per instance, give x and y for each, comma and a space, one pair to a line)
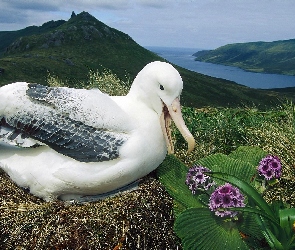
63, 134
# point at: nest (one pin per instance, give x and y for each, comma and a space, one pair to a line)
140, 219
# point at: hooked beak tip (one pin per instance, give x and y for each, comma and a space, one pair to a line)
191, 144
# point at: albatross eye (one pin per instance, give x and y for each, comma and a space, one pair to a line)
161, 87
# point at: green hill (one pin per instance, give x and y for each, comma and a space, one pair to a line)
70, 49
268, 57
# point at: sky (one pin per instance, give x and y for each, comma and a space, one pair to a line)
202, 24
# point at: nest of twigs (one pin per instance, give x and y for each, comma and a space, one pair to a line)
140, 219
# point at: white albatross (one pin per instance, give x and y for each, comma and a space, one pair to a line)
68, 143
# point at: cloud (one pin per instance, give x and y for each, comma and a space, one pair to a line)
18, 14
156, 4
54, 5
11, 17
19, 5
188, 23
95, 5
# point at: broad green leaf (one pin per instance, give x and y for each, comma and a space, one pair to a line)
271, 239
287, 220
172, 174
223, 163
200, 229
254, 211
251, 229
249, 154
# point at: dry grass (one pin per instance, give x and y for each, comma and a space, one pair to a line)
140, 219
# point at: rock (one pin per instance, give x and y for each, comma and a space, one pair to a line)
44, 46
72, 28
73, 14
69, 62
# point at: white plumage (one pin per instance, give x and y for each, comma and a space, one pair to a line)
66, 143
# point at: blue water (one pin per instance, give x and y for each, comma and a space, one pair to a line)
183, 57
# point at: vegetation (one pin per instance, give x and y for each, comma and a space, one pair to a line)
233, 141
105, 81
270, 57
223, 130
141, 219
8, 37
239, 218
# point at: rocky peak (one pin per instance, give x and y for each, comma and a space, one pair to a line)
73, 14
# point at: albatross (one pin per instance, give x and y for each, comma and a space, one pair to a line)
66, 143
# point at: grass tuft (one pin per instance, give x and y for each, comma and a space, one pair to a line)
106, 81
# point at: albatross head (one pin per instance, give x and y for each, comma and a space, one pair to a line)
159, 85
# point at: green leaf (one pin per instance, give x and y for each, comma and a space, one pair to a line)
200, 229
254, 211
223, 163
287, 219
172, 174
271, 239
249, 154
251, 229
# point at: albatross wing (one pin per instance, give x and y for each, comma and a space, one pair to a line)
86, 125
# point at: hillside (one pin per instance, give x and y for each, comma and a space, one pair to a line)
8, 37
70, 49
268, 57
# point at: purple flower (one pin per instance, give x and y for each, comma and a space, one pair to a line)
270, 167
196, 179
224, 197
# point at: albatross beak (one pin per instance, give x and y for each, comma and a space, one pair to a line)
174, 111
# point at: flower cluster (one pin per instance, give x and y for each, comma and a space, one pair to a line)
227, 196
224, 197
270, 167
196, 179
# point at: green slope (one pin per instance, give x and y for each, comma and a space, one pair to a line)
8, 37
269, 57
69, 49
